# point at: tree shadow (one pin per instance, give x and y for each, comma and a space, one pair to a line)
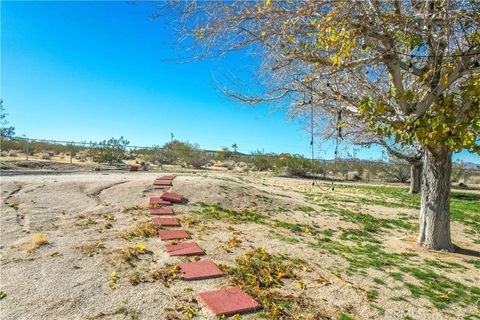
466, 252
465, 196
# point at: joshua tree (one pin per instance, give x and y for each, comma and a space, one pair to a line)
234, 147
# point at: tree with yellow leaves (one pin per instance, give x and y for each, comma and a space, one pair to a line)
409, 70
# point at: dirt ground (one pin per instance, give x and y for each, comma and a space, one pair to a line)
61, 234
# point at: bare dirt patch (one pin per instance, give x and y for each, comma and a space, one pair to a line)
100, 260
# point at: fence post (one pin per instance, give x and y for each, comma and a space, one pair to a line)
26, 152
71, 152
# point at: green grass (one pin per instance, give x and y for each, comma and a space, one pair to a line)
217, 212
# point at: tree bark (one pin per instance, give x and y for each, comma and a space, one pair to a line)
435, 204
415, 176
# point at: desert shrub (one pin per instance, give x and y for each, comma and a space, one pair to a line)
13, 153
109, 151
4, 154
298, 166
177, 152
224, 153
263, 161
397, 170
45, 156
196, 158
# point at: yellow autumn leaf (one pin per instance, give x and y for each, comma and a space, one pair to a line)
112, 286
444, 79
267, 3
263, 33
335, 60
113, 275
141, 247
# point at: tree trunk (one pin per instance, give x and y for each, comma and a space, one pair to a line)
435, 205
415, 176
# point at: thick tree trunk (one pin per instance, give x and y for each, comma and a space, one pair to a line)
415, 176
435, 205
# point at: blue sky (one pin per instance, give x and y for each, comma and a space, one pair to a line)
87, 71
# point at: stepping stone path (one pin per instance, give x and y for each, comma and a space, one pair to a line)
172, 197
167, 222
166, 178
162, 211
159, 200
200, 270
173, 234
184, 249
227, 301
163, 183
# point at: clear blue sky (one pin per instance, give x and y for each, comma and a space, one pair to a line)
88, 71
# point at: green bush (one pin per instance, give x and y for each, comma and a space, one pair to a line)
263, 161
109, 151
298, 166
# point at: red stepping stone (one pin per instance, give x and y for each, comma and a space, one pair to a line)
162, 182
172, 197
159, 200
167, 222
166, 178
200, 270
173, 234
162, 211
228, 301
184, 249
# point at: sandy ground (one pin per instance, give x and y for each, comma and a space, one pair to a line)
58, 281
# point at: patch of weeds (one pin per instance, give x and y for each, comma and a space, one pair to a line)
305, 209
358, 235
85, 221
444, 265
187, 308
328, 232
344, 316
284, 238
378, 281
128, 314
217, 212
167, 275
13, 204
440, 290
91, 249
475, 262
2, 295
399, 298
141, 230
372, 294
258, 272
128, 255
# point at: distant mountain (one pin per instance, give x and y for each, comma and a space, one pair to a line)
470, 166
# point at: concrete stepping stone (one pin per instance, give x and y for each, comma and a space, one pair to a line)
162, 211
166, 178
228, 301
200, 270
184, 249
172, 197
159, 200
163, 183
173, 234
167, 222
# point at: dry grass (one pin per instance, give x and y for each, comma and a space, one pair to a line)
142, 229
37, 240
128, 255
92, 248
